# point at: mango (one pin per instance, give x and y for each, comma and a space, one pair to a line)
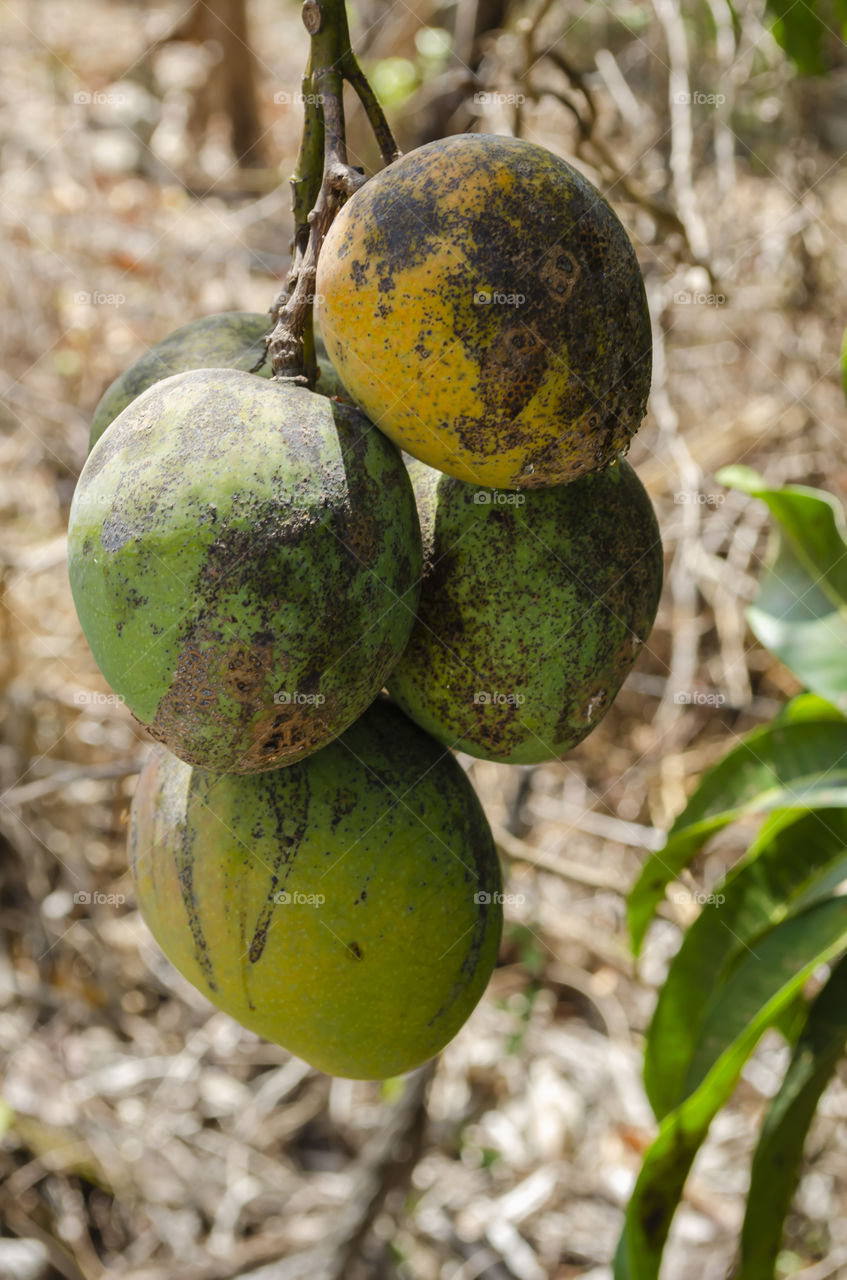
244, 557
229, 340
346, 907
482, 303
533, 609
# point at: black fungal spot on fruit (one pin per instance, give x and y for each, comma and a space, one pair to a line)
525, 630
299, 587
116, 533
543, 295
354, 950
561, 295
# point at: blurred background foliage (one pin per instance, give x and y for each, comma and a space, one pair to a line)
144, 155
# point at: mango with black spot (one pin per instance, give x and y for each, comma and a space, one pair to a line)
534, 606
229, 340
483, 304
347, 907
244, 557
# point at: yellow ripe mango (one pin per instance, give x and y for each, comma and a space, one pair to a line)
481, 301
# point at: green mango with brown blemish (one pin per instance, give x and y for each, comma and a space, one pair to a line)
245, 558
534, 607
483, 304
347, 907
230, 340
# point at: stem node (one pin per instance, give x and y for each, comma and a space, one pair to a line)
312, 17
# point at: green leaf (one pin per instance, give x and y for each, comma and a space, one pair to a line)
762, 977
807, 707
796, 859
786, 764
799, 31
753, 997
780, 1148
804, 29
800, 612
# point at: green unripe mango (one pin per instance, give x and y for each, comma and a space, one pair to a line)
347, 907
244, 557
230, 340
533, 609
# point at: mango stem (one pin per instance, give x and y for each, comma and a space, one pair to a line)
323, 179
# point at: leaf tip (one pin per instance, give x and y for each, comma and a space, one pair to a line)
745, 479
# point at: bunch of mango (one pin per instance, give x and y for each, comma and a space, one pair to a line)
311, 599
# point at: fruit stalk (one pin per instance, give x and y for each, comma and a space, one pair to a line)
323, 179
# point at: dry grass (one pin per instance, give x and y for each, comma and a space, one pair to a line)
151, 1136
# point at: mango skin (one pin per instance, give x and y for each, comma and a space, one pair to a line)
533, 609
382, 824
235, 541
483, 304
229, 340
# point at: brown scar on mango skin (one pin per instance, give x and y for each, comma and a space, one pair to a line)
245, 560
483, 303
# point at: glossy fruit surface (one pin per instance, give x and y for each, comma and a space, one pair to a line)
533, 609
244, 558
483, 304
347, 907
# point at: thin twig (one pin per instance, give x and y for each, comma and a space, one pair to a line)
614, 174
64, 777
682, 135
356, 78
